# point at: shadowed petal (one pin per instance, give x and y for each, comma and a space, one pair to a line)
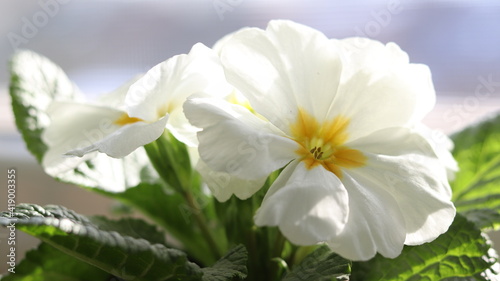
308, 205
375, 223
223, 185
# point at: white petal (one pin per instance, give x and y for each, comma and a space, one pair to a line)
182, 130
83, 123
286, 67
375, 222
74, 125
366, 55
126, 139
235, 141
309, 206
387, 101
404, 163
165, 87
427, 213
217, 47
116, 98
223, 186
55, 163
442, 146
194, 156
413, 149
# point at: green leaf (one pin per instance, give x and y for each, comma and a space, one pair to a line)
320, 265
170, 211
48, 263
133, 227
477, 184
170, 158
230, 267
483, 218
121, 255
35, 82
463, 251
490, 274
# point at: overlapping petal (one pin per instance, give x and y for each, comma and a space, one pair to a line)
415, 177
309, 206
164, 88
223, 185
370, 56
78, 129
281, 68
407, 149
387, 101
125, 140
426, 213
236, 141
76, 123
116, 99
73, 125
442, 146
137, 113
375, 222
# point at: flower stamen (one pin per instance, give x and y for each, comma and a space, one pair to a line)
316, 151
323, 144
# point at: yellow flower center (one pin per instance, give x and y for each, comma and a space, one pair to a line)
124, 119
323, 143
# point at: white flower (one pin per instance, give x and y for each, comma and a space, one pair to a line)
339, 116
76, 124
138, 113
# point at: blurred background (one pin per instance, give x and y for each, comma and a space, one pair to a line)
101, 44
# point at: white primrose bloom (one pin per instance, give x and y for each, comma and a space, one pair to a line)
138, 113
77, 123
341, 118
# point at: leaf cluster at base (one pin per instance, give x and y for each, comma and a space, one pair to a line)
129, 248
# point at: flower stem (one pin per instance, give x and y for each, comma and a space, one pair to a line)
170, 159
201, 221
279, 243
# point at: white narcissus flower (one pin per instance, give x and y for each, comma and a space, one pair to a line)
138, 113
339, 116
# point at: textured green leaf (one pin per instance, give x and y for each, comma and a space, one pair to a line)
483, 218
47, 263
477, 184
169, 210
121, 255
463, 251
233, 266
35, 82
135, 228
320, 265
490, 274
